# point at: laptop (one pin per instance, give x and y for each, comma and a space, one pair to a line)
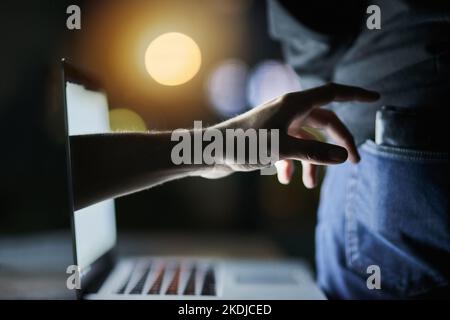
104, 274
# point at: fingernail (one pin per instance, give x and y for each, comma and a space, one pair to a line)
338, 154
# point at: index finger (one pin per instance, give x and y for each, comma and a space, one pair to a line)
304, 101
331, 92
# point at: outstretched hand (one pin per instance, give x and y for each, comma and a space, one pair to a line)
291, 114
109, 165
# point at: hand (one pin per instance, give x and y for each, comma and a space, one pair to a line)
116, 164
291, 113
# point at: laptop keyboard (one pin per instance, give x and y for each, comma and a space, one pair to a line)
140, 284
170, 278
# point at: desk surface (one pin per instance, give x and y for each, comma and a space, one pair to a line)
30, 266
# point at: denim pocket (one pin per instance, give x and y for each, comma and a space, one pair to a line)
397, 218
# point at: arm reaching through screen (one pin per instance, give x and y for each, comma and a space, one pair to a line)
110, 165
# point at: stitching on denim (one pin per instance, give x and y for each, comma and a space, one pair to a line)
352, 252
355, 260
404, 154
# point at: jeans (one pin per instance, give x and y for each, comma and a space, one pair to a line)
391, 211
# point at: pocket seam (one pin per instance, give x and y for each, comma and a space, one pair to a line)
351, 237
354, 259
404, 154
352, 252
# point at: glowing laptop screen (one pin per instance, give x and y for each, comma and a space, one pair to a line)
95, 226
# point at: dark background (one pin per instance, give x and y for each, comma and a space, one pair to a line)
32, 190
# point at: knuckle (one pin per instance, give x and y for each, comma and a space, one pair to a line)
309, 157
286, 98
331, 85
312, 157
326, 113
331, 88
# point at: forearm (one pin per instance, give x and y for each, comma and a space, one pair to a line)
110, 165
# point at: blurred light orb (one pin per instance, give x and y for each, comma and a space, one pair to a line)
172, 59
122, 119
271, 79
226, 87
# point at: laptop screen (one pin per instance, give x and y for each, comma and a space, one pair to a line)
95, 226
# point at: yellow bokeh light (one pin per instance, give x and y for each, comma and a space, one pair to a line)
172, 59
126, 120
